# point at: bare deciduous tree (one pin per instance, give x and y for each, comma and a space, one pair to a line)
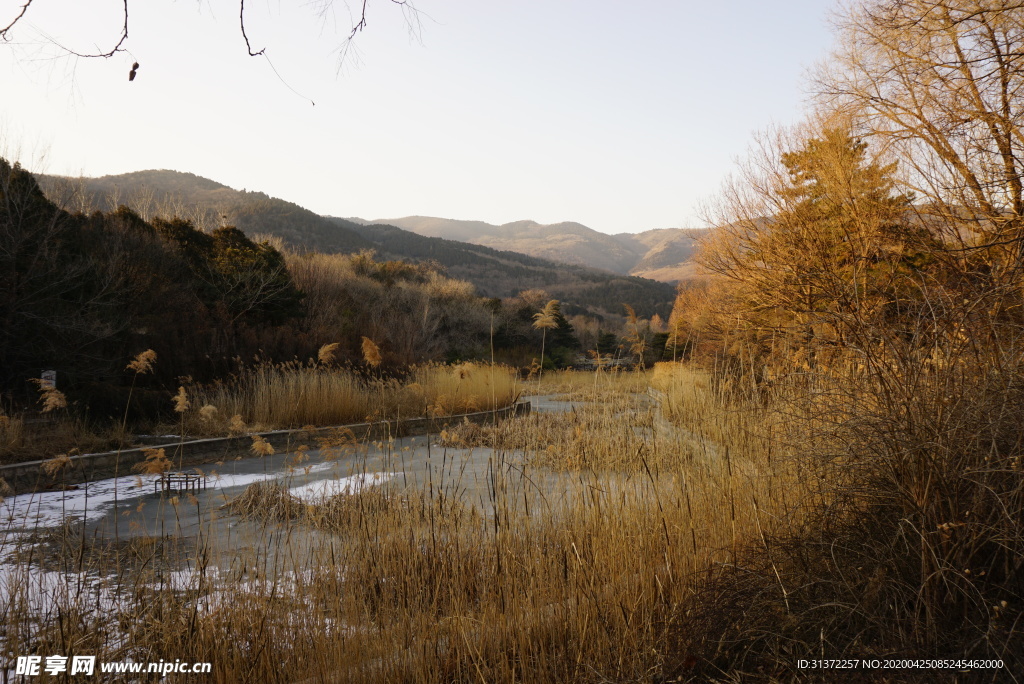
940, 85
23, 14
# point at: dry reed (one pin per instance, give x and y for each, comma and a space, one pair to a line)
705, 557
586, 582
294, 395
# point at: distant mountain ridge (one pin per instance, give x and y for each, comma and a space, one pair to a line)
664, 254
494, 272
208, 204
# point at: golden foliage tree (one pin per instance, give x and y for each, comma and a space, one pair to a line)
940, 85
830, 250
915, 419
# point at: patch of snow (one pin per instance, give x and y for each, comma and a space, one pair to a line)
90, 501
95, 500
315, 492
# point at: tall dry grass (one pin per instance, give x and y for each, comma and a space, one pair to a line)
583, 576
22, 440
579, 438
12, 431
605, 382
911, 542
295, 394
710, 534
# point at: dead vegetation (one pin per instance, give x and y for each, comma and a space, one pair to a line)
294, 395
590, 581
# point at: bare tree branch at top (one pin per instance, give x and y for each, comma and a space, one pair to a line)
358, 25
938, 84
4, 30
241, 21
118, 47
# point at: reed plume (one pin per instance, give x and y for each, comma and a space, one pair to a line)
327, 352
371, 352
156, 463
181, 402
261, 447
143, 362
50, 396
56, 465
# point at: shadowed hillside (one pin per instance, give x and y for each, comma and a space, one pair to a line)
208, 204
505, 273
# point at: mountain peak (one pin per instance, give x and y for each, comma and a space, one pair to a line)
163, 178
662, 252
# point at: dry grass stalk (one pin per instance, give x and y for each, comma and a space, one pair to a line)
51, 398
327, 352
371, 353
143, 362
156, 463
181, 402
56, 465
208, 413
237, 425
12, 431
261, 447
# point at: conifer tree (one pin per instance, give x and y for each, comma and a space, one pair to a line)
832, 248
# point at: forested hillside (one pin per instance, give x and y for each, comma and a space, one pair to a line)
503, 274
208, 204
82, 292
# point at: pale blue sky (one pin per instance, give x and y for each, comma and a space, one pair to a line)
622, 116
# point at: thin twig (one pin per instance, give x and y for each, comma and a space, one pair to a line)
24, 8
241, 21
114, 50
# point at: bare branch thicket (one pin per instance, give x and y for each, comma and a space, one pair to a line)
118, 46
359, 23
249, 286
940, 86
56, 302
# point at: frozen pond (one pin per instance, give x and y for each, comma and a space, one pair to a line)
131, 505
550, 404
